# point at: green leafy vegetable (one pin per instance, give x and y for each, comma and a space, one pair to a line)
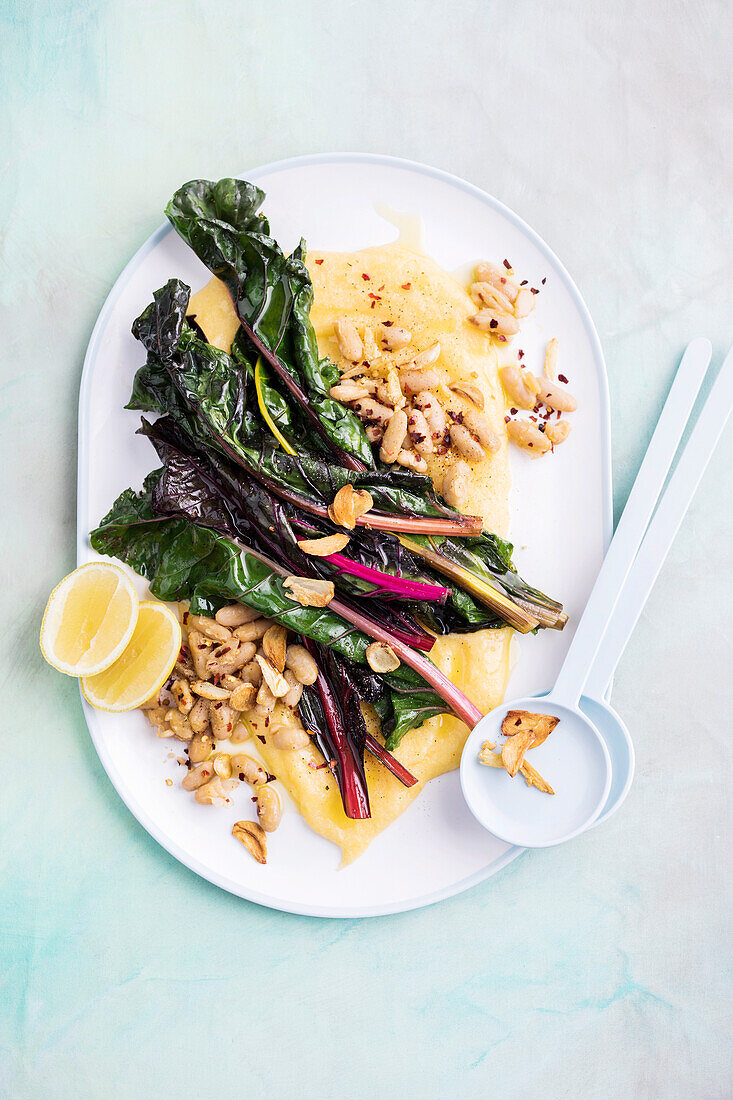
183, 561
272, 294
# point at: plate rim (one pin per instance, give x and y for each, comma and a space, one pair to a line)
83, 438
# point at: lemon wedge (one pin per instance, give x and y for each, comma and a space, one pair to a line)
143, 668
89, 619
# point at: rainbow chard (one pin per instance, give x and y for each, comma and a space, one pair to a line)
208, 491
331, 711
206, 565
272, 294
212, 397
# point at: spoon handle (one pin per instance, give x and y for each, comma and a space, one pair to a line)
663, 528
633, 523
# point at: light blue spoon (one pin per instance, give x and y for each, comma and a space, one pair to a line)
590, 750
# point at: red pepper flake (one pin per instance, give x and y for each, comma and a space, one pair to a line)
375, 297
185, 617
534, 290
261, 738
533, 418
562, 378
407, 286
520, 354
542, 427
319, 262
381, 287
387, 324
493, 323
524, 282
372, 305
513, 412
502, 338
507, 265
544, 280
365, 276
507, 419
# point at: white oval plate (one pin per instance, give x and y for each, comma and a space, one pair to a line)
561, 505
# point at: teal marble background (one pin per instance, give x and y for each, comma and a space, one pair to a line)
601, 969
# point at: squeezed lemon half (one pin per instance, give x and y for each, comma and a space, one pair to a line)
89, 619
143, 668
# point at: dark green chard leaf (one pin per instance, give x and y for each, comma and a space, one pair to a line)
159, 326
272, 294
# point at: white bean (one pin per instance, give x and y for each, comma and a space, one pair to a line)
349, 341
529, 437
199, 647
495, 322
520, 386
198, 718
252, 631
427, 358
200, 747
371, 411
433, 411
413, 380
411, 460
393, 437
392, 337
269, 809
420, 434
222, 720
465, 444
499, 278
480, 426
454, 489
210, 627
296, 689
179, 724
345, 392
197, 777
247, 769
299, 660
236, 614
290, 737
555, 397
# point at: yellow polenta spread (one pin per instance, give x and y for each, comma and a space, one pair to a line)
393, 283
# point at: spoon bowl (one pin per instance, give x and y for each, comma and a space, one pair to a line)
620, 749
574, 760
